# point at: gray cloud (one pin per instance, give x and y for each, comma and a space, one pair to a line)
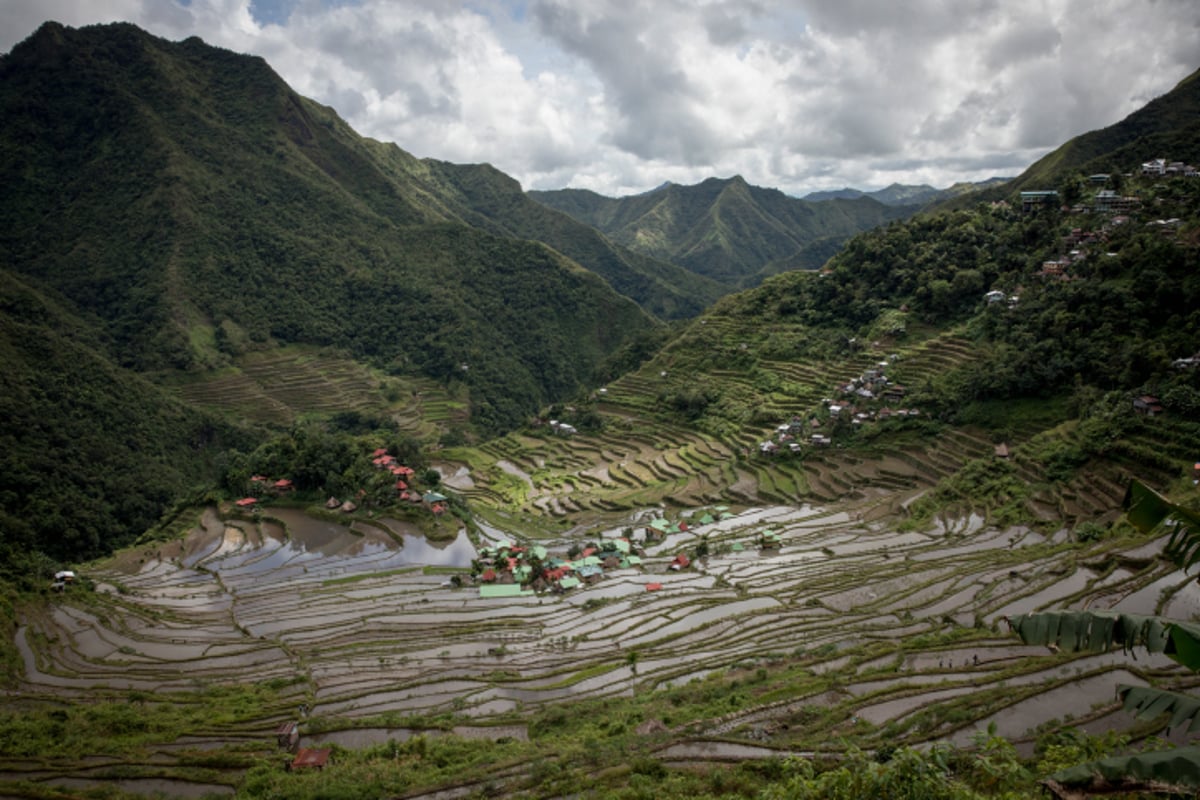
619, 96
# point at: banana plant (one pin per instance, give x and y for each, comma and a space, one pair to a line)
1170, 771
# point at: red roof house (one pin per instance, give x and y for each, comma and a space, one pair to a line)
311, 757
246, 502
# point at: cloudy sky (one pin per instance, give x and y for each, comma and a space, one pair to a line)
620, 95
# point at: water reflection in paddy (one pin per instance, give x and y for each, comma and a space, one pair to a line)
340, 550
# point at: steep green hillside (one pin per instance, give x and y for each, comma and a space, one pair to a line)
493, 200
90, 454
724, 229
197, 206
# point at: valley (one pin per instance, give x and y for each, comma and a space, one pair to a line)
328, 471
858, 623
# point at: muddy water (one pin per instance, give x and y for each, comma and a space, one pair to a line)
338, 549
1046, 598
1073, 698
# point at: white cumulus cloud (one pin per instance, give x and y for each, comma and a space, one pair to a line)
621, 95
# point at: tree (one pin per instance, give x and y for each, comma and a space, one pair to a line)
1174, 771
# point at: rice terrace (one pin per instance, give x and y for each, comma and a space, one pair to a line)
810, 613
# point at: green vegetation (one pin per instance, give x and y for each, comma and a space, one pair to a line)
180, 231
90, 453
323, 238
724, 229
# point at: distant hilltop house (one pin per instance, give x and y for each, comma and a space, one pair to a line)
1160, 167
1039, 199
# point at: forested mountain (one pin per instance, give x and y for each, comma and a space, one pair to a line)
90, 453
724, 229
493, 200
189, 200
901, 195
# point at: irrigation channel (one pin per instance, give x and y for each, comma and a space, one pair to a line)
894, 636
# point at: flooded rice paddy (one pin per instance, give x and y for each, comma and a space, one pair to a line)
907, 628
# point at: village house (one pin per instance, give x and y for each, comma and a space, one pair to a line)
1109, 202
287, 735
1155, 167
310, 758
1053, 269
1187, 363
1147, 405
562, 428
1037, 200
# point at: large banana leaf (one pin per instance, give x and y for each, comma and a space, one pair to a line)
1169, 771
1147, 703
1146, 509
1098, 631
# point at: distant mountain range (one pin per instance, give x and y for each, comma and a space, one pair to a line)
725, 229
901, 195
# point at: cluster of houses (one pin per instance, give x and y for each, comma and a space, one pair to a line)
435, 501
867, 398
1078, 246
660, 528
510, 570
1109, 201
262, 486
381, 459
